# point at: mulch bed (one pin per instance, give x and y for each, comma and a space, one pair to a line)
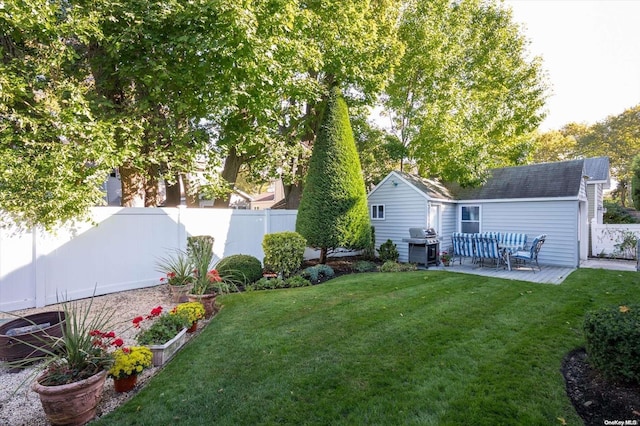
597, 400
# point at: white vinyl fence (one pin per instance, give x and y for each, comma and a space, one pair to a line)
120, 250
618, 241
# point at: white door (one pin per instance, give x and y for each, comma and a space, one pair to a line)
434, 218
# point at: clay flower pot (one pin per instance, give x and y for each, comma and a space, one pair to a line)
208, 300
125, 384
72, 404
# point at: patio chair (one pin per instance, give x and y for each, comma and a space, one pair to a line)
487, 248
531, 255
462, 246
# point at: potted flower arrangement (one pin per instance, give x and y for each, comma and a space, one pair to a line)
128, 363
192, 311
200, 252
164, 336
72, 380
445, 258
178, 268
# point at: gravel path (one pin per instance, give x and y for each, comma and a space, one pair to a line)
20, 406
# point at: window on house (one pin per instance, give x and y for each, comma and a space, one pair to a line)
470, 219
377, 211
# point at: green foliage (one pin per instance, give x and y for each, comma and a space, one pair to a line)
240, 268
393, 266
200, 253
163, 329
314, 273
364, 266
635, 182
370, 251
388, 252
615, 213
333, 211
275, 283
613, 341
465, 95
283, 252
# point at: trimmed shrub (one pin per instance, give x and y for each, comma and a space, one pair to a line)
393, 266
283, 252
240, 268
315, 272
613, 342
364, 266
388, 251
333, 211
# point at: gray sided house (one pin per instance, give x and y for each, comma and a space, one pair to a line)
548, 198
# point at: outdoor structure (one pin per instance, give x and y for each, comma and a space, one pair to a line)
547, 198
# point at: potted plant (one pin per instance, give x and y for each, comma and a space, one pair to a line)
200, 252
164, 336
73, 374
192, 311
445, 258
128, 363
179, 270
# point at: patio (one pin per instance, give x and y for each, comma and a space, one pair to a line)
548, 275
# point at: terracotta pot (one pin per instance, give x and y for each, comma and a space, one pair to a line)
125, 384
193, 327
207, 300
179, 292
72, 404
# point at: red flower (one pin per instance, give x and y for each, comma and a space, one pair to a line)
126, 350
137, 321
155, 312
95, 333
162, 279
109, 335
171, 275
213, 276
118, 342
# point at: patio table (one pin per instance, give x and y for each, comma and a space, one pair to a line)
507, 251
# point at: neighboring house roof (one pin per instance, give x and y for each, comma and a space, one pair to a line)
598, 170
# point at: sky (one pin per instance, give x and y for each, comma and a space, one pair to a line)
591, 53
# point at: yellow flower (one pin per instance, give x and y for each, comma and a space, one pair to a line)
193, 311
624, 309
129, 361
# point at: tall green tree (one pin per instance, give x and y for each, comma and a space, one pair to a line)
54, 153
618, 137
635, 182
333, 211
465, 95
553, 146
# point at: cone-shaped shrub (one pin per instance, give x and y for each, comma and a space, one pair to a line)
333, 210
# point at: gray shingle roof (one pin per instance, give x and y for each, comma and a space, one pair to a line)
597, 168
432, 188
545, 180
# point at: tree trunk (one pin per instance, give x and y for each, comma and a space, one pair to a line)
323, 256
151, 194
133, 186
173, 193
190, 192
232, 165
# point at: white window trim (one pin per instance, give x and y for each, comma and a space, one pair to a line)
479, 216
376, 206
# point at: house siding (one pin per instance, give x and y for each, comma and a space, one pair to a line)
557, 219
404, 208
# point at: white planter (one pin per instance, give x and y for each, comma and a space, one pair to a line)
163, 353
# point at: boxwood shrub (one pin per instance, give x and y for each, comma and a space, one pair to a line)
613, 341
240, 268
283, 252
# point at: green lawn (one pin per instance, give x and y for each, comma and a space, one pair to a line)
421, 348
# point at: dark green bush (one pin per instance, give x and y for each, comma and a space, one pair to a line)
240, 268
613, 342
297, 281
283, 252
615, 213
315, 272
388, 251
266, 284
163, 329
